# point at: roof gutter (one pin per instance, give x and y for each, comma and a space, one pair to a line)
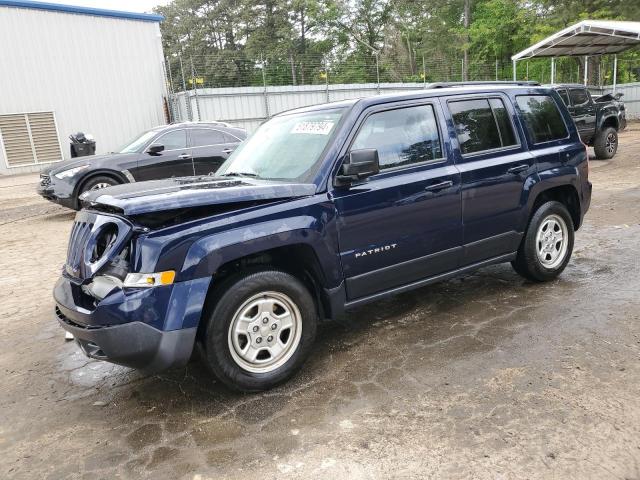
96, 12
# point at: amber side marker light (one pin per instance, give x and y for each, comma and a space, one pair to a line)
146, 280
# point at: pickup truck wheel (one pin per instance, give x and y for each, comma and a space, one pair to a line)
547, 245
606, 144
260, 330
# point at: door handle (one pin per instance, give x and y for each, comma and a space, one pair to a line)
518, 168
438, 186
184, 156
228, 150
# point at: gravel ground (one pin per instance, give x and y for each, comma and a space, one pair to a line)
485, 376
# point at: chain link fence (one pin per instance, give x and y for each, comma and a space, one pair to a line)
246, 91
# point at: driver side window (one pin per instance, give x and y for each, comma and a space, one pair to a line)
174, 140
403, 136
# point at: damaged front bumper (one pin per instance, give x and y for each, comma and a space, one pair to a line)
150, 329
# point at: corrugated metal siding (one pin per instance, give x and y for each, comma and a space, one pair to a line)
631, 98
99, 75
247, 107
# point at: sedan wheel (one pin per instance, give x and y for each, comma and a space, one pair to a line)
100, 185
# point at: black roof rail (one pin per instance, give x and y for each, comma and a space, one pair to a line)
523, 83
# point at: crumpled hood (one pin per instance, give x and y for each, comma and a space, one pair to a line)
176, 193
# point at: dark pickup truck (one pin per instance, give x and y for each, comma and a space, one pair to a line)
598, 120
321, 210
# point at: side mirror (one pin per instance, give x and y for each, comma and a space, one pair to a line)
155, 149
362, 164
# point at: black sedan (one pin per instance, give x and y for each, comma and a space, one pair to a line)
177, 150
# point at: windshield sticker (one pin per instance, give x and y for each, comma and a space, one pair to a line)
313, 128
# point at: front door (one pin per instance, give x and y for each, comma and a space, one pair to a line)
403, 224
494, 164
173, 161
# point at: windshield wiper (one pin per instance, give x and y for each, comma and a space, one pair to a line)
240, 174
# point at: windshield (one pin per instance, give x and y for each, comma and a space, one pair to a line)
135, 145
284, 148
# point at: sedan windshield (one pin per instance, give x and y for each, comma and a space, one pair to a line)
136, 145
284, 148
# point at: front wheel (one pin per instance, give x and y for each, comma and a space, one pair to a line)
547, 245
94, 183
260, 330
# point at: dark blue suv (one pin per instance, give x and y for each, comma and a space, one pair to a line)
323, 209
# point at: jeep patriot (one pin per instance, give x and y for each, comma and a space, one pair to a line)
322, 209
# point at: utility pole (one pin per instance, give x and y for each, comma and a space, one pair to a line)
465, 57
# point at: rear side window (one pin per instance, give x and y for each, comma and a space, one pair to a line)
402, 137
579, 96
542, 118
564, 96
482, 124
201, 137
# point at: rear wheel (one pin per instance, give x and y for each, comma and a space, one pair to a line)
260, 330
547, 245
606, 144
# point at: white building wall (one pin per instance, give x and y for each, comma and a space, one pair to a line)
99, 75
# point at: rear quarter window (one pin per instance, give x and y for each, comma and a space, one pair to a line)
542, 118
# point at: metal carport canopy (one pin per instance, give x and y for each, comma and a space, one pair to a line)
585, 38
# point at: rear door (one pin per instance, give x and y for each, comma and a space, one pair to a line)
403, 224
173, 161
583, 111
210, 148
494, 165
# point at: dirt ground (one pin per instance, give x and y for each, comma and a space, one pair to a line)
485, 376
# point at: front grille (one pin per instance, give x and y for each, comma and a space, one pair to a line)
80, 233
45, 180
95, 240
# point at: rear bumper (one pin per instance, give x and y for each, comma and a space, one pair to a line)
135, 345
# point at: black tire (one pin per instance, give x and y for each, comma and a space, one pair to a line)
606, 143
92, 183
227, 300
528, 262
